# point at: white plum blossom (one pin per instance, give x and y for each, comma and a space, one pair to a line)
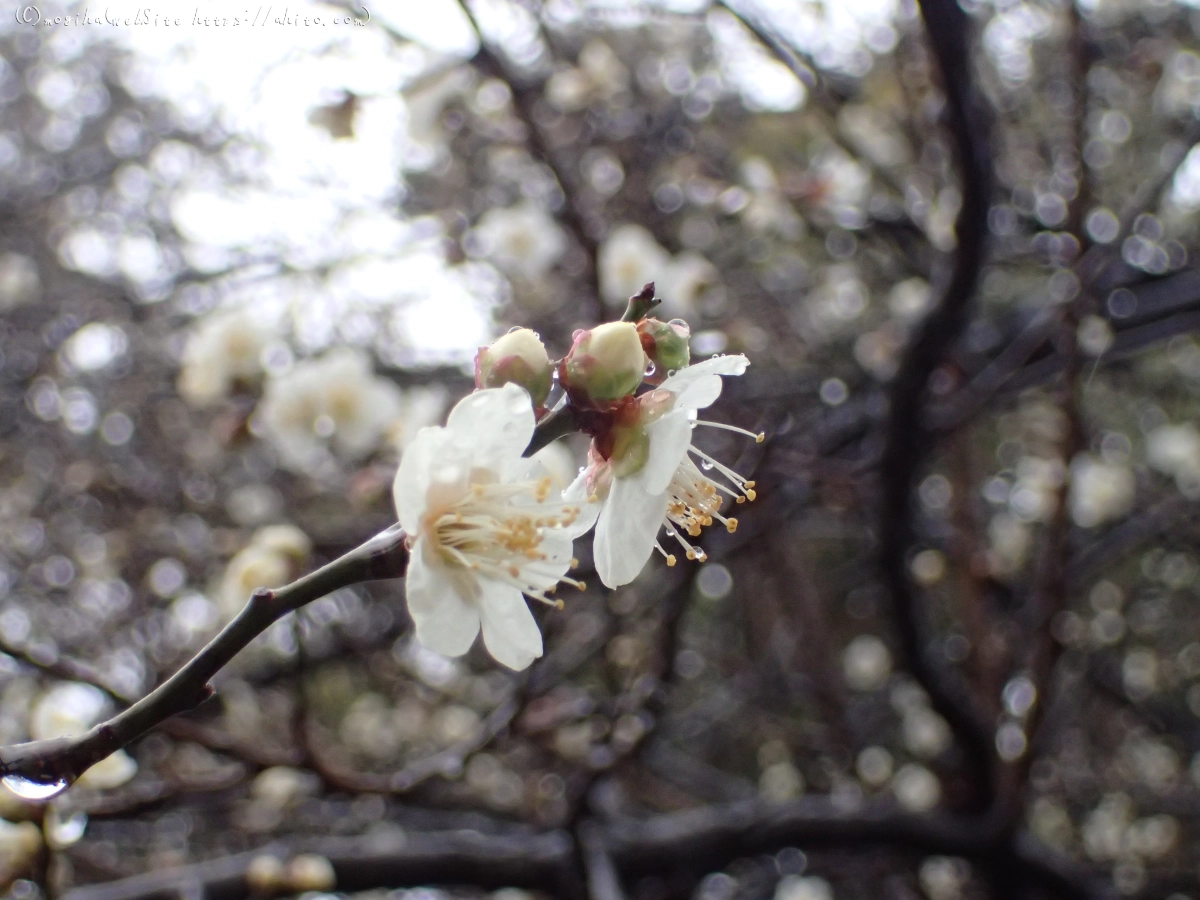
19, 281
687, 280
650, 480
224, 348
69, 710
522, 240
1100, 492
273, 557
1175, 450
335, 402
629, 258
486, 527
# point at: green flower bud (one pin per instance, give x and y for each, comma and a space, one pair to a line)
518, 357
666, 343
605, 363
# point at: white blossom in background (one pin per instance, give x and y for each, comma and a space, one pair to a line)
1009, 542
425, 105
667, 488
1032, 497
916, 788
944, 877
683, 286
20, 847
275, 556
224, 347
599, 75
522, 240
842, 187
332, 403
1175, 450
19, 281
1099, 491
486, 527
69, 710
629, 258
803, 887
421, 406
866, 663
764, 208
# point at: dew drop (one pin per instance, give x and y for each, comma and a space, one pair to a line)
706, 465
514, 328
27, 789
670, 373
649, 371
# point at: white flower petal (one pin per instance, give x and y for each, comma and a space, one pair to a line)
509, 630
699, 378
411, 487
589, 510
445, 622
669, 440
625, 533
495, 424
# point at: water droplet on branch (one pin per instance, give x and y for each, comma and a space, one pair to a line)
28, 789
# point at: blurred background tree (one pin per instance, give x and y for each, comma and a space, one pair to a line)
951, 652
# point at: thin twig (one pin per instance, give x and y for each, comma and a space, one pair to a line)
62, 760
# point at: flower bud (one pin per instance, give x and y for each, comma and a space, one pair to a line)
518, 357
605, 363
666, 343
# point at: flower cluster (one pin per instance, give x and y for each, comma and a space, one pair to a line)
486, 525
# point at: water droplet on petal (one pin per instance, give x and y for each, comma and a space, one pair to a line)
670, 372
649, 371
706, 465
27, 789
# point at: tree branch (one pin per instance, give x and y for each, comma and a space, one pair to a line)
62, 760
908, 438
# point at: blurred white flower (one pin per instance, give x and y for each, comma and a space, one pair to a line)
1009, 541
1100, 492
916, 788
426, 103
683, 285
19, 281
274, 556
20, 846
70, 709
1038, 480
1175, 450
600, 75
780, 782
654, 482
486, 527
335, 402
522, 240
1103, 830
866, 663
803, 887
629, 258
225, 347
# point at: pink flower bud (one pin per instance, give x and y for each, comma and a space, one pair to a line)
520, 358
605, 363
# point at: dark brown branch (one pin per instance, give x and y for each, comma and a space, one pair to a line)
603, 880
65, 759
908, 438
516, 858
